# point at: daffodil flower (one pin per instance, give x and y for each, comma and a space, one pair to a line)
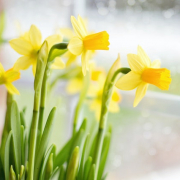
75, 84
68, 34
82, 43
143, 72
28, 45
7, 77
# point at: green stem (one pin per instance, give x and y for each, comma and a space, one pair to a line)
41, 64
44, 88
107, 93
42, 105
33, 134
82, 96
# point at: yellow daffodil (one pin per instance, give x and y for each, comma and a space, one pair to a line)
82, 43
75, 84
143, 72
96, 91
68, 34
7, 77
29, 45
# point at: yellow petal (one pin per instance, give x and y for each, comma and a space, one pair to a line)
156, 64
54, 39
11, 75
116, 96
97, 41
71, 58
23, 63
84, 61
34, 68
144, 57
74, 86
1, 69
140, 93
159, 77
113, 107
25, 36
129, 81
75, 46
95, 74
77, 28
82, 25
135, 62
11, 88
58, 64
21, 46
35, 36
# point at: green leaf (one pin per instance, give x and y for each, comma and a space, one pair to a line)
84, 124
22, 146
65, 152
73, 165
22, 173
25, 146
49, 167
81, 169
44, 141
26, 169
1, 170
53, 173
80, 136
92, 172
16, 136
79, 140
57, 50
22, 118
12, 175
92, 129
62, 173
2, 24
87, 168
93, 146
6, 156
104, 155
44, 162
7, 126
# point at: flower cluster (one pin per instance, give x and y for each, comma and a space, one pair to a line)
142, 73
85, 154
